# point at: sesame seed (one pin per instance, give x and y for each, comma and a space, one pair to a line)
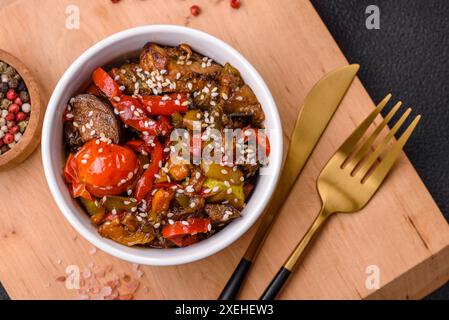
239, 98
116, 99
185, 223
170, 221
229, 191
84, 161
215, 189
224, 171
209, 227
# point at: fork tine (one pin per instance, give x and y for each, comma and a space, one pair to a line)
352, 140
373, 157
387, 163
362, 152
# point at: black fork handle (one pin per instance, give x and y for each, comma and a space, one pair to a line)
276, 284
234, 283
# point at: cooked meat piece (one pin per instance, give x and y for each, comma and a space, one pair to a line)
244, 102
249, 170
239, 120
230, 80
127, 76
153, 57
92, 118
72, 136
178, 69
221, 214
207, 96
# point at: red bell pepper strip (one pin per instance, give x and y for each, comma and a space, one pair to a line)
145, 182
130, 109
105, 83
139, 146
262, 140
160, 106
196, 225
185, 241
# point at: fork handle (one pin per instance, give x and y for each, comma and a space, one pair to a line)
276, 284
234, 283
289, 265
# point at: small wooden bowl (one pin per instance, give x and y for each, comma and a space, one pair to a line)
32, 135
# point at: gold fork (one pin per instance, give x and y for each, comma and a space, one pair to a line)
350, 179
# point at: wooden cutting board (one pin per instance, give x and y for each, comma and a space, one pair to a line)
401, 231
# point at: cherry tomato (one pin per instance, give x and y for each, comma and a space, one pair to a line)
101, 170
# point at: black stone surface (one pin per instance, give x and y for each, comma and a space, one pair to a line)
409, 56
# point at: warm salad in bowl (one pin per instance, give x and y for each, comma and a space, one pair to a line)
141, 183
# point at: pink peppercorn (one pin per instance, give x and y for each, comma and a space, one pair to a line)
20, 116
11, 94
195, 10
18, 101
10, 117
14, 129
235, 4
14, 108
8, 138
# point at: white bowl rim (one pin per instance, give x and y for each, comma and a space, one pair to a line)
180, 257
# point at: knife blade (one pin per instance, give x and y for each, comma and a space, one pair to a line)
319, 107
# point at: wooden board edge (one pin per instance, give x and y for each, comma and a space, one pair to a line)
418, 281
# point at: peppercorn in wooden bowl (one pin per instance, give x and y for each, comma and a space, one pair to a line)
21, 113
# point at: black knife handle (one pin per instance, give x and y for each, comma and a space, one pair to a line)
234, 284
276, 284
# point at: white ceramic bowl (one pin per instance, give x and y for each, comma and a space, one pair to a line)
116, 47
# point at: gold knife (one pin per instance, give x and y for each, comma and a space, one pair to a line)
319, 107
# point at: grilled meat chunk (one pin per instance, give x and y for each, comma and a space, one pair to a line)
243, 102
92, 118
178, 69
221, 214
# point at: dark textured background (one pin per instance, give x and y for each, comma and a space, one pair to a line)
408, 56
